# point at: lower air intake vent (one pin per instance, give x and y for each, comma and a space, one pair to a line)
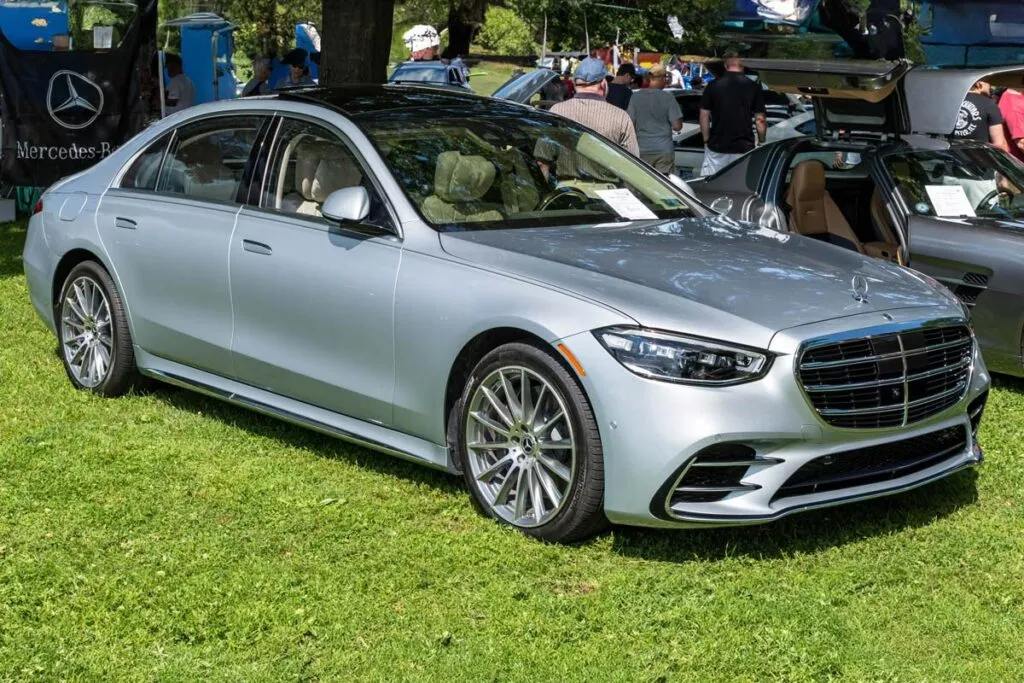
713, 474
874, 464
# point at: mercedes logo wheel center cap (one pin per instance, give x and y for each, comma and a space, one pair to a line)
74, 101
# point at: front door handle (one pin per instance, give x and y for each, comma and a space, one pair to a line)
126, 223
257, 247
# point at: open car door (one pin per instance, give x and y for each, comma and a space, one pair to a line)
886, 98
525, 88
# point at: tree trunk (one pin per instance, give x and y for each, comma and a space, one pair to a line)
356, 41
464, 20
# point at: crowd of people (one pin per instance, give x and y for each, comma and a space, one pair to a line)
642, 117
993, 116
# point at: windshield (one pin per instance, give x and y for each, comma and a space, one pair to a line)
959, 182
420, 74
515, 171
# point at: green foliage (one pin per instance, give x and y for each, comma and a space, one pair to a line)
504, 32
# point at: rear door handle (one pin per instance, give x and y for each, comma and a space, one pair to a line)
257, 247
126, 223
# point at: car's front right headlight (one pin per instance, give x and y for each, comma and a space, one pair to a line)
682, 359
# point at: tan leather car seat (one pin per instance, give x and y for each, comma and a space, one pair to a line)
320, 169
459, 184
812, 211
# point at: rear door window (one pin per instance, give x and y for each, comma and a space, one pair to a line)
209, 159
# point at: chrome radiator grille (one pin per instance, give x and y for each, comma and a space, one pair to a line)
888, 380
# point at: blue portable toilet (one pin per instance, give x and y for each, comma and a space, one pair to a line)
32, 25
207, 46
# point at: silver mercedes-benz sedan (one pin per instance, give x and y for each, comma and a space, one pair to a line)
493, 290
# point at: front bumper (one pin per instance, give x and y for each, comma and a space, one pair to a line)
651, 431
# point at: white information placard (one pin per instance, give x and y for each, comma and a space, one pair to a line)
949, 200
625, 203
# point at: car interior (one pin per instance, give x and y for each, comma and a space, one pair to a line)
833, 198
206, 166
310, 171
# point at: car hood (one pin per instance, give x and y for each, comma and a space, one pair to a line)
711, 276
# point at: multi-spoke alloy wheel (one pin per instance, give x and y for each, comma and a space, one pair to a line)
529, 446
521, 446
88, 342
92, 329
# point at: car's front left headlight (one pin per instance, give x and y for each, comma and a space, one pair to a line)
678, 358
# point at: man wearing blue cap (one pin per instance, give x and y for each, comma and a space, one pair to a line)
590, 108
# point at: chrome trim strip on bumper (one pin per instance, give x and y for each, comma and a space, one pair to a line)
728, 520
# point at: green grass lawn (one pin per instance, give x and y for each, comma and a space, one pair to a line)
170, 537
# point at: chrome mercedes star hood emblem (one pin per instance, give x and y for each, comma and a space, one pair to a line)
860, 288
73, 100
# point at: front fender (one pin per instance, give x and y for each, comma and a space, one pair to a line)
441, 305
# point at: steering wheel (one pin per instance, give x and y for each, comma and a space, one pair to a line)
988, 202
564, 193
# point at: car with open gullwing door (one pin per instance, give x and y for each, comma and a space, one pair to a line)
880, 175
497, 292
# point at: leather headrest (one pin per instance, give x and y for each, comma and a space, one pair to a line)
808, 182
333, 173
322, 168
460, 178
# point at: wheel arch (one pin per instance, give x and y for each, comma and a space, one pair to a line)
479, 346
67, 263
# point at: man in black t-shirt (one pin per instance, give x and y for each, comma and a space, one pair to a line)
726, 108
980, 119
619, 92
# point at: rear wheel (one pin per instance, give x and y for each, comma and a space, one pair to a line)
529, 445
92, 330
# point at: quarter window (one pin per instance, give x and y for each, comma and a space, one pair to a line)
143, 172
209, 158
309, 162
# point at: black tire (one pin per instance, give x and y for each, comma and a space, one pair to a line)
121, 375
581, 514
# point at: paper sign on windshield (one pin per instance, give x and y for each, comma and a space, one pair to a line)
625, 203
949, 200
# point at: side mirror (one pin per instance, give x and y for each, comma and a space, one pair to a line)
347, 205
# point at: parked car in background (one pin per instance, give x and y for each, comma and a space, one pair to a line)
800, 125
493, 290
429, 73
880, 177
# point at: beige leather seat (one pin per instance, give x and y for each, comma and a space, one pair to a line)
459, 183
812, 211
320, 169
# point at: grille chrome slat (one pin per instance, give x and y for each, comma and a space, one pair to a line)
863, 383
887, 408
818, 365
887, 382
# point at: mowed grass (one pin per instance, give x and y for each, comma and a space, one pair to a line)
169, 537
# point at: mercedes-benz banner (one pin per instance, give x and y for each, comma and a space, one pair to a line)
64, 111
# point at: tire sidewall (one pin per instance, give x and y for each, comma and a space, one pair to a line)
588, 444
120, 373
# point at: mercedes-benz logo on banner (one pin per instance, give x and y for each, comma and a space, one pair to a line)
73, 101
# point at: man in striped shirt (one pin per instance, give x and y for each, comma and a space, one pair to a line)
590, 109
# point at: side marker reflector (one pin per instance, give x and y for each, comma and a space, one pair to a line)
572, 360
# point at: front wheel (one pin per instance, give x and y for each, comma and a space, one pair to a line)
529, 446
92, 329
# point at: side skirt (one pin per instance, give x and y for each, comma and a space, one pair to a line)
358, 432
